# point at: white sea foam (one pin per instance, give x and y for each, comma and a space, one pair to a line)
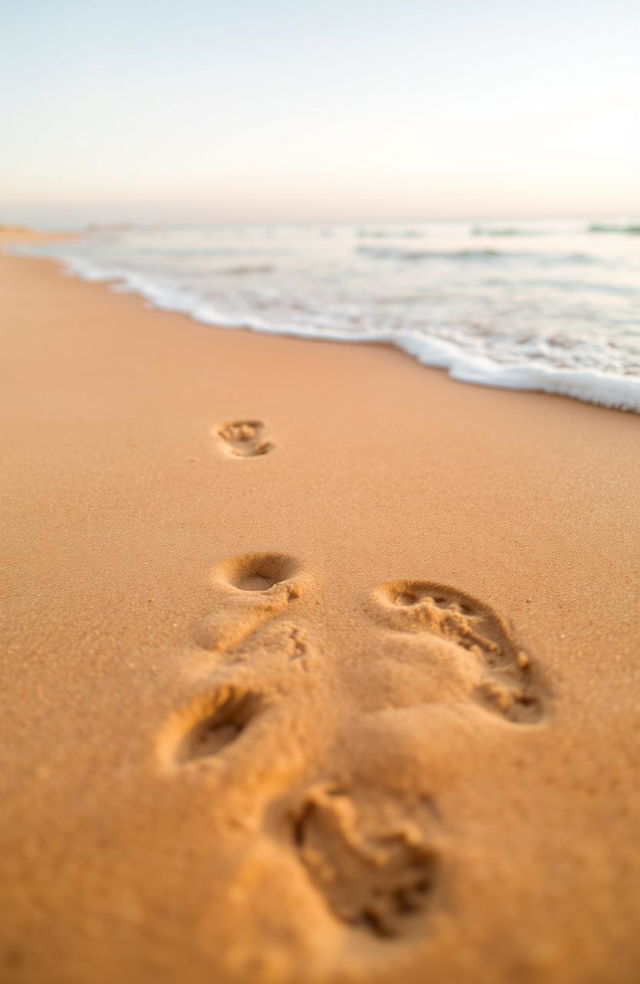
560, 313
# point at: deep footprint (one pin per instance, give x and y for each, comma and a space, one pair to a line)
509, 686
244, 438
376, 878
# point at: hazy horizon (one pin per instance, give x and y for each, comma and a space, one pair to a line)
75, 218
340, 112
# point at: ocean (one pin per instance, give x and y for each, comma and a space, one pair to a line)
538, 305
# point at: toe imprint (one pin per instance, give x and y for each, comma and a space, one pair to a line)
244, 438
374, 876
509, 686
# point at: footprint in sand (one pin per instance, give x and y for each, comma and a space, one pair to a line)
371, 849
252, 592
375, 855
476, 644
213, 723
244, 438
373, 861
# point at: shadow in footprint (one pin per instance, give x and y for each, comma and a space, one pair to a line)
374, 876
244, 438
209, 724
258, 571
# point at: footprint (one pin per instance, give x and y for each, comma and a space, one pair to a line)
376, 872
258, 571
244, 438
370, 850
211, 723
249, 590
509, 684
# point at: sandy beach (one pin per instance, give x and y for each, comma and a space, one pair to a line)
318, 666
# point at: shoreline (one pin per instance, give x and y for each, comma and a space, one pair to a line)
615, 391
131, 547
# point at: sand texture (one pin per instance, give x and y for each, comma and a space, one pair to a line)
317, 666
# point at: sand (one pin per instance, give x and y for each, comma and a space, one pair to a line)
317, 665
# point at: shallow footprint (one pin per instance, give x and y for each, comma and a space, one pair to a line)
244, 438
509, 686
374, 875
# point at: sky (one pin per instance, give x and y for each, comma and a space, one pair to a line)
295, 110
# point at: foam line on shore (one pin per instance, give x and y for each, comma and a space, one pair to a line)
591, 386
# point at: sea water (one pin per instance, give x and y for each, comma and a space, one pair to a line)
540, 305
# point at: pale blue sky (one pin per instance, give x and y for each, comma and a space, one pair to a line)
251, 110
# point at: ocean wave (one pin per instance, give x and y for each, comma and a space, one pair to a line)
624, 230
567, 332
204, 252
413, 255
391, 253
501, 231
239, 271
390, 233
589, 385
577, 287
